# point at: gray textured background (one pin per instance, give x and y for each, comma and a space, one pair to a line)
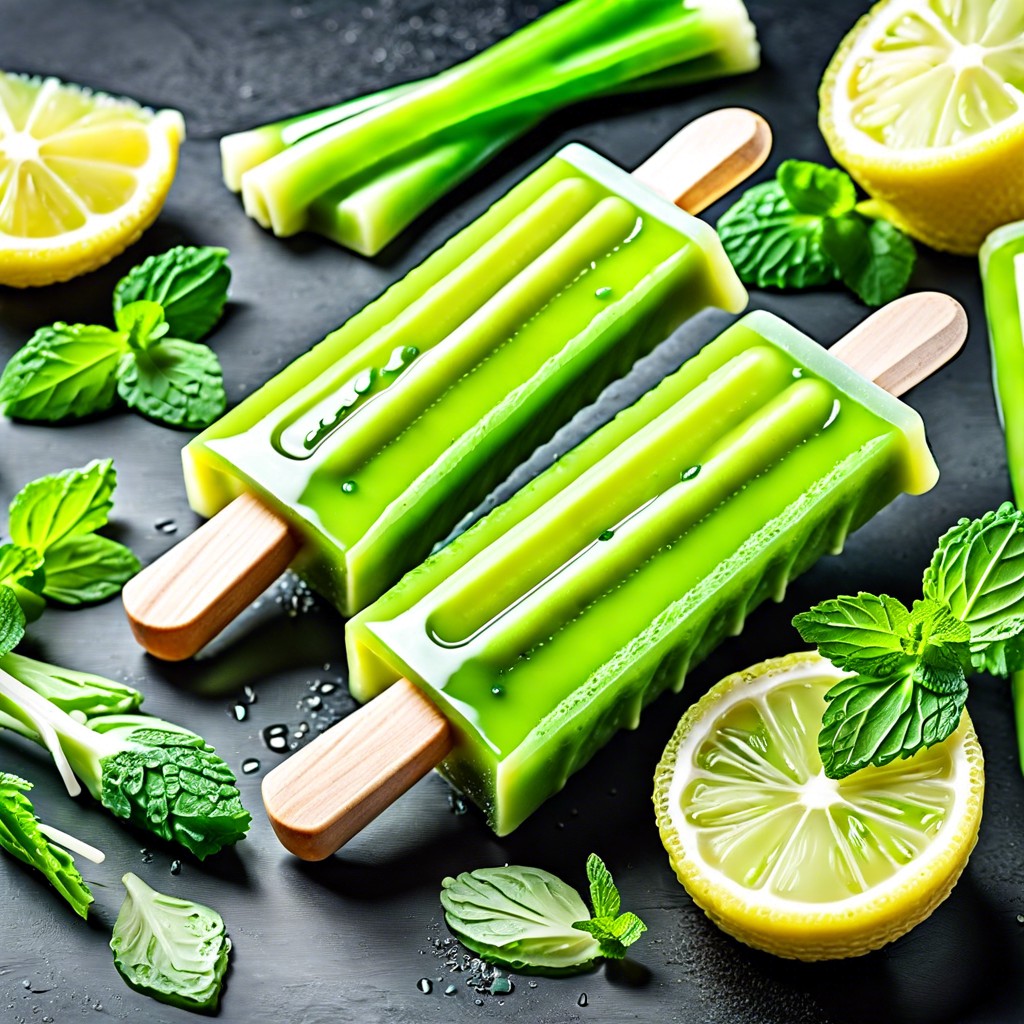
348, 940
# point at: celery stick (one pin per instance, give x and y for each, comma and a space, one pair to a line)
583, 49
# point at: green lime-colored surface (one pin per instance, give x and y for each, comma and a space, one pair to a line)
548, 625
377, 442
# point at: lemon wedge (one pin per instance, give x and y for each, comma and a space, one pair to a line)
82, 175
788, 860
923, 103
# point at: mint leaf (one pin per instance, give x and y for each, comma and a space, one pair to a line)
873, 258
142, 323
603, 894
64, 504
190, 283
812, 188
772, 244
519, 917
12, 620
977, 572
614, 934
175, 382
65, 370
877, 720
858, 633
87, 569
20, 836
17, 563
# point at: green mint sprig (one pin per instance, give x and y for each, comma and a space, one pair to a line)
152, 358
911, 665
55, 553
806, 228
528, 919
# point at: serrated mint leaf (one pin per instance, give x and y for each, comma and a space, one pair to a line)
74, 501
18, 564
86, 569
857, 632
603, 894
12, 620
940, 672
176, 382
614, 934
977, 571
873, 258
875, 721
771, 244
63, 371
931, 622
812, 188
142, 323
519, 917
190, 283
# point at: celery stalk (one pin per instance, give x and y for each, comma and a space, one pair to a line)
361, 171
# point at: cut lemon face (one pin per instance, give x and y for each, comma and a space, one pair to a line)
923, 103
82, 175
790, 861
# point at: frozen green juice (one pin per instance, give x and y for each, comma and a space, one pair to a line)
550, 623
380, 439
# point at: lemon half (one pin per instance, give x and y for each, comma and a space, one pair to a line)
923, 103
82, 175
788, 860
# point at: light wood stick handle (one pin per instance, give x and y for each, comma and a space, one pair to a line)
185, 598
905, 341
331, 789
707, 158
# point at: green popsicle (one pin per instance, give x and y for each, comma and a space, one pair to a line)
552, 622
1002, 274
370, 448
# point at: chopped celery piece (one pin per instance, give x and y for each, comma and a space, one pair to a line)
361, 171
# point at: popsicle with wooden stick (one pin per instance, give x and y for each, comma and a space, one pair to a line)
517, 650
363, 454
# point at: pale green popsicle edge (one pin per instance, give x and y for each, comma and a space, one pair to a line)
1006, 340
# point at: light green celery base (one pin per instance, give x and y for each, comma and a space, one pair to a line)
1002, 274
517, 323
538, 638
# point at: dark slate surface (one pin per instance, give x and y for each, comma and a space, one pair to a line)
349, 939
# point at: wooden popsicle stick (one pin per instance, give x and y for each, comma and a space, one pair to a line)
186, 597
708, 158
180, 602
331, 789
326, 793
905, 341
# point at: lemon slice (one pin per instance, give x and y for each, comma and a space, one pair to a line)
82, 175
788, 860
923, 103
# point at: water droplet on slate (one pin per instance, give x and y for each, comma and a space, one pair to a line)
250, 765
450, 990
250, 694
165, 526
500, 986
582, 1001
147, 856
276, 738
240, 712
425, 985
